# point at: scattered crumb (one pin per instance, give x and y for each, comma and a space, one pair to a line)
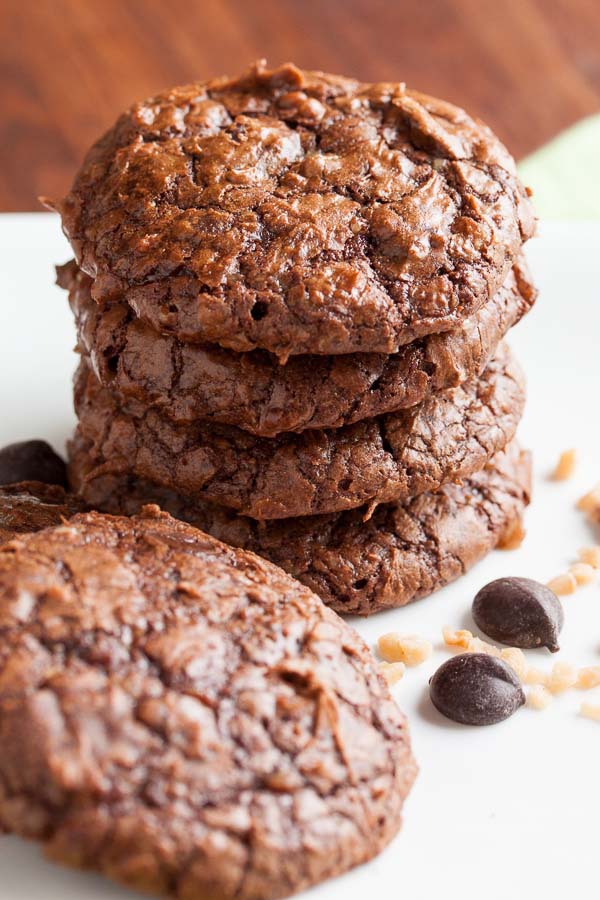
392, 672
516, 660
538, 697
562, 677
590, 502
563, 584
565, 465
454, 637
590, 556
590, 710
409, 649
513, 536
535, 676
476, 645
588, 677
583, 572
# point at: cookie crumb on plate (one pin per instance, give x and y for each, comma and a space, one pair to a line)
590, 555
590, 710
409, 649
392, 671
563, 584
539, 697
566, 465
583, 573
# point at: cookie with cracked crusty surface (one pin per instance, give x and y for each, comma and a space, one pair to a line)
203, 724
193, 382
31, 505
298, 212
361, 565
447, 437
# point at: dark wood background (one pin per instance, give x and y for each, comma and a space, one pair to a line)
528, 67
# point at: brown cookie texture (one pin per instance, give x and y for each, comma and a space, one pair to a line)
297, 212
359, 564
31, 505
185, 717
447, 437
193, 382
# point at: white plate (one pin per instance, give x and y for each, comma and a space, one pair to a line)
508, 811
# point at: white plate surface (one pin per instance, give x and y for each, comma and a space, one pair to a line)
508, 811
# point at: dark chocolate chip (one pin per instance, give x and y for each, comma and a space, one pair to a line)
31, 461
476, 689
519, 612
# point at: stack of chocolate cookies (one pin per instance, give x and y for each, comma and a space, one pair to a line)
291, 292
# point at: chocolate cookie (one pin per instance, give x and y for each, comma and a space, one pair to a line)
191, 382
358, 564
447, 437
298, 212
32, 505
186, 718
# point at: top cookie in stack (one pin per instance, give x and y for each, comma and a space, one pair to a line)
290, 290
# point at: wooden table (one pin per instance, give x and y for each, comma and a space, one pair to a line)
528, 67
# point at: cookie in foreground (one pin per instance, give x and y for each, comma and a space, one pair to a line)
186, 718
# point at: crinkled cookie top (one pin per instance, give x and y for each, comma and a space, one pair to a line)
185, 717
298, 212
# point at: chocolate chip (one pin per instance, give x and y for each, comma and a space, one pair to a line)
476, 689
31, 461
519, 612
